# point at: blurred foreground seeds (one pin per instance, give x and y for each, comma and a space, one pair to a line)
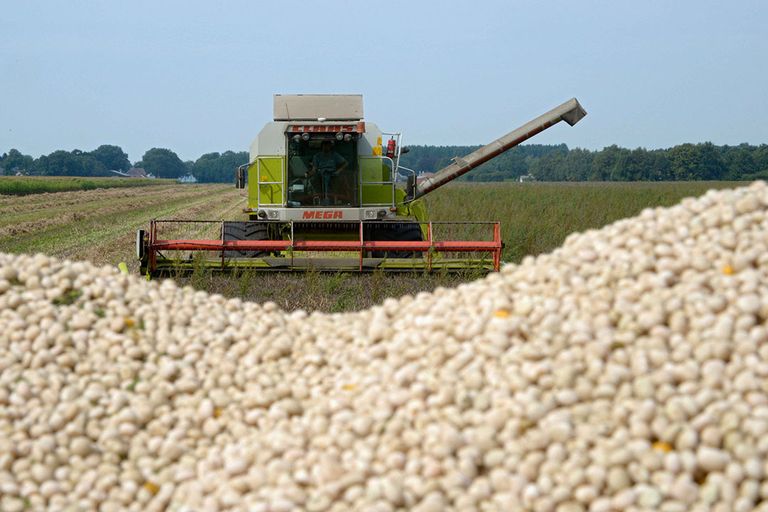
625, 369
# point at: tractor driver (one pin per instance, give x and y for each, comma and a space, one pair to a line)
328, 164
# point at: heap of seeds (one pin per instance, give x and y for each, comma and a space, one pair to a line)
626, 370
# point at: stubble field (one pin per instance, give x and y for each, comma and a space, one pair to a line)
100, 225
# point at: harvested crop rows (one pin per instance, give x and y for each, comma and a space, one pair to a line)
99, 225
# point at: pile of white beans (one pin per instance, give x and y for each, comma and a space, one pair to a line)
627, 370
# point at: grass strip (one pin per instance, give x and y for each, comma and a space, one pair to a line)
27, 185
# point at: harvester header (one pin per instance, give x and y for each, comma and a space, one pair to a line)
321, 180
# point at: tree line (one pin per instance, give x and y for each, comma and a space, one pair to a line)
160, 162
684, 162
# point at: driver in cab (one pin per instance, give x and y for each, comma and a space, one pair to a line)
328, 164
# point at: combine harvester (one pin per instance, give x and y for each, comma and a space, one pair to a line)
326, 191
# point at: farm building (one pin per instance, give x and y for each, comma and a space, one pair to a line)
134, 172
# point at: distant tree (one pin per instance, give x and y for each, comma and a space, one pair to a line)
65, 163
163, 163
14, 161
62, 163
739, 161
712, 167
684, 162
90, 166
205, 168
578, 164
219, 168
550, 167
40, 166
604, 164
111, 157
760, 156
696, 162
661, 167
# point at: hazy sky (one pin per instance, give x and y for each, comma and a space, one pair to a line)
198, 76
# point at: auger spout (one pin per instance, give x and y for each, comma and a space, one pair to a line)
570, 112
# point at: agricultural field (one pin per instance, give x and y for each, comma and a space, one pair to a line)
537, 217
100, 225
26, 185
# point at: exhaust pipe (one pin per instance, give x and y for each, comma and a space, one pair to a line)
571, 112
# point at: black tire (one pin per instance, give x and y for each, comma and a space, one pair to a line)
395, 231
142, 251
245, 231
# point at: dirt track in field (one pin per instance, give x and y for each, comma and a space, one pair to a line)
100, 225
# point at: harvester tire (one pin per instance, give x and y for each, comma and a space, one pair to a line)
396, 231
245, 231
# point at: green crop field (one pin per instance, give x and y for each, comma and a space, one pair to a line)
99, 225
536, 217
26, 185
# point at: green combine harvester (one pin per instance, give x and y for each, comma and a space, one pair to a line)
326, 191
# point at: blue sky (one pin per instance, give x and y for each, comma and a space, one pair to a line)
197, 77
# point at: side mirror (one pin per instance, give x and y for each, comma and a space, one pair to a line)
410, 187
240, 176
404, 150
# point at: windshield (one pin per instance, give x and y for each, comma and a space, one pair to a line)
322, 172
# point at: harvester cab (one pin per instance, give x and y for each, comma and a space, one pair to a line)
325, 190
319, 160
